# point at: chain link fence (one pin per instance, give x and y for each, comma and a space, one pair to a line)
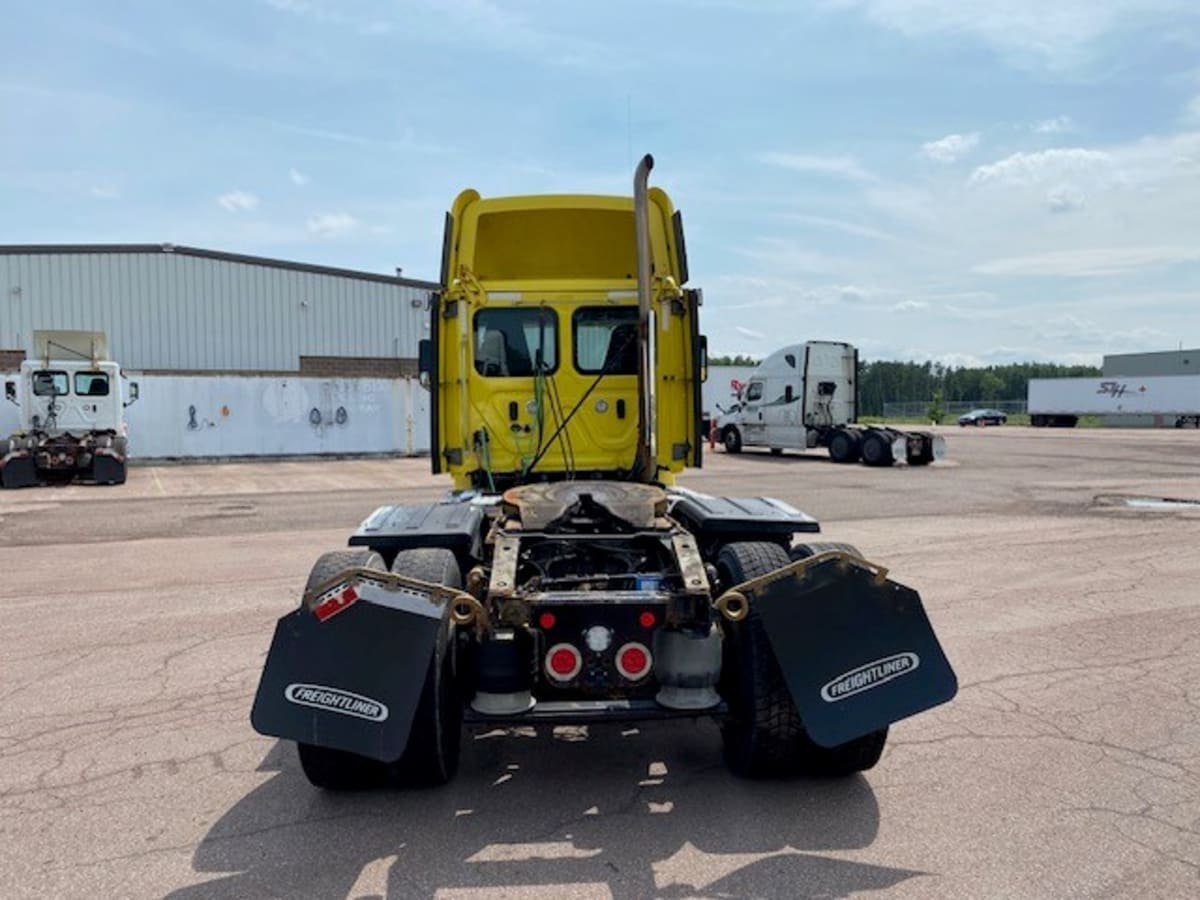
919, 409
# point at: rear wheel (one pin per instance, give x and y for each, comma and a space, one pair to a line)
431, 757
324, 767
763, 736
732, 439
844, 447
804, 551
876, 451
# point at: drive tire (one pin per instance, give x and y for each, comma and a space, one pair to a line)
434, 743
325, 767
844, 446
763, 736
876, 451
804, 551
732, 439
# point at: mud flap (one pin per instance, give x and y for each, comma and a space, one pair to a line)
18, 472
346, 669
856, 649
107, 470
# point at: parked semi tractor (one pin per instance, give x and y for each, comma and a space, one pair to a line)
72, 400
1059, 402
805, 396
566, 579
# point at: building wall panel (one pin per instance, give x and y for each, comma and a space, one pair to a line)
175, 311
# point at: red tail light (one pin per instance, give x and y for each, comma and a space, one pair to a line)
563, 662
634, 661
546, 621
647, 619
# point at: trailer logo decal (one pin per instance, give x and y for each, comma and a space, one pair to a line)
870, 675
1114, 388
336, 700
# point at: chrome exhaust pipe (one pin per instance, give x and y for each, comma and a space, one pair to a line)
646, 464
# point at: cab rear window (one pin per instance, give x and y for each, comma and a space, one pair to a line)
91, 384
606, 340
510, 343
50, 383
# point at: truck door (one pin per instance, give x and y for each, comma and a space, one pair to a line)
754, 426
782, 409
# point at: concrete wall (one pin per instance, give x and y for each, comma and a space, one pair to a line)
230, 415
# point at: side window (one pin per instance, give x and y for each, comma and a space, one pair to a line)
509, 343
790, 359
755, 391
47, 383
605, 340
91, 384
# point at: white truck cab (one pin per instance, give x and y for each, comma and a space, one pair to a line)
806, 395
72, 403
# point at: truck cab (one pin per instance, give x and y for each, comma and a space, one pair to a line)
72, 403
806, 395
533, 355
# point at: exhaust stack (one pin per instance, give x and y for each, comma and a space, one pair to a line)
645, 463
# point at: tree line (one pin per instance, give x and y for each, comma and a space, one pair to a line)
881, 382
890, 382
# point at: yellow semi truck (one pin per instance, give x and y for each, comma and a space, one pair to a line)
566, 578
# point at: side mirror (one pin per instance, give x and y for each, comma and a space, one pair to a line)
10, 392
425, 362
133, 393
703, 358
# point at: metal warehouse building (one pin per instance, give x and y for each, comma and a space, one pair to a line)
235, 355
167, 308
1166, 362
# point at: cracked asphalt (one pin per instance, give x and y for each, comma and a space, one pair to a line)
135, 620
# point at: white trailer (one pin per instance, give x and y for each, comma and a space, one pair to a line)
72, 404
806, 395
1059, 402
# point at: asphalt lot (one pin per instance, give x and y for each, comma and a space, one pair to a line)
135, 620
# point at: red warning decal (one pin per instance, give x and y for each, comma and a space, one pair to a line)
334, 603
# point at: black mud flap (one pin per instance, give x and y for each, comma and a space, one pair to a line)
108, 470
19, 472
856, 649
346, 669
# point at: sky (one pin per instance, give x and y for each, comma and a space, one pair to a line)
967, 181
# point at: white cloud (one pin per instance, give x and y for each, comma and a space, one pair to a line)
1057, 125
1093, 261
238, 201
910, 306
104, 192
841, 225
749, 332
298, 178
1064, 198
950, 148
332, 225
1057, 36
1030, 168
831, 166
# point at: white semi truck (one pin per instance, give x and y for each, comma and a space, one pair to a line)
1059, 402
806, 395
72, 403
